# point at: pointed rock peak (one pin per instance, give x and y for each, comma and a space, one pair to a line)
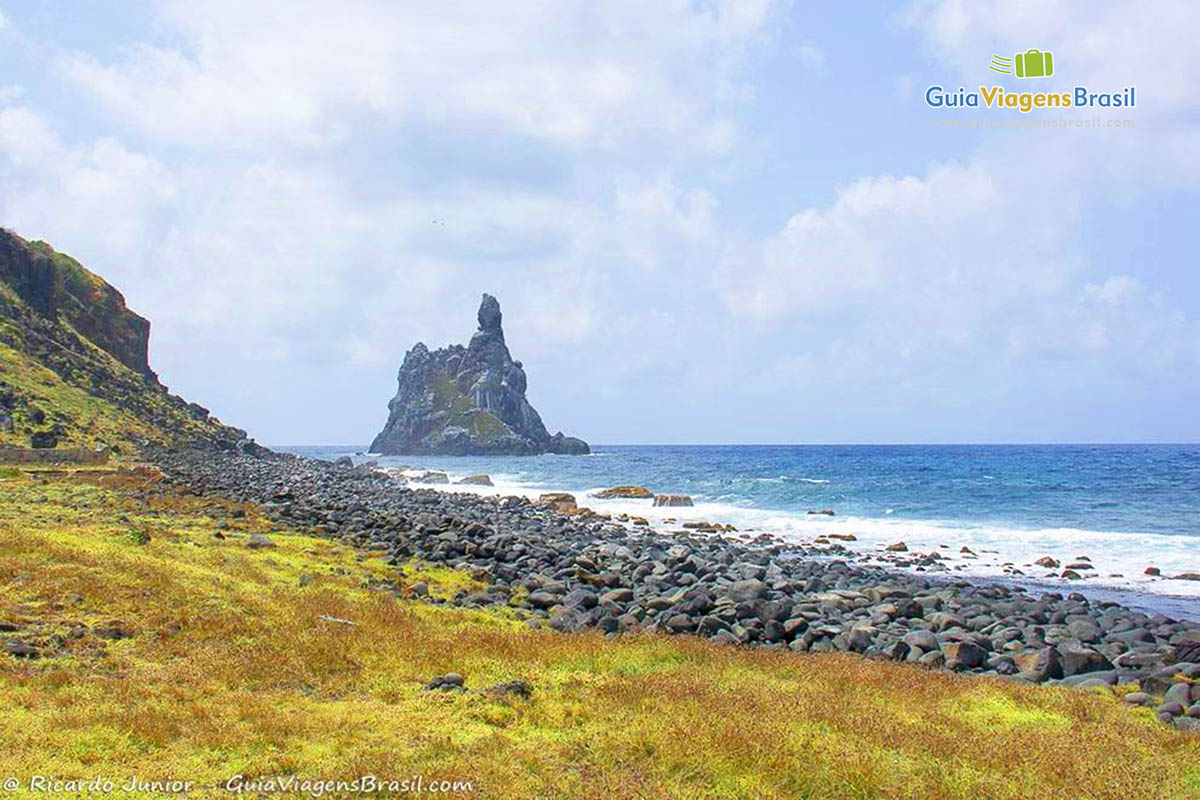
489, 315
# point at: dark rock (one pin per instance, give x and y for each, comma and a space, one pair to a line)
672, 500
825, 512
1186, 652
1081, 660
618, 596
450, 682
626, 492
1174, 709
43, 440
18, 649
476, 480
964, 655
743, 591
113, 630
467, 401
583, 598
1044, 664
1179, 693
923, 640
258, 541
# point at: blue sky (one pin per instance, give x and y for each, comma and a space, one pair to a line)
705, 221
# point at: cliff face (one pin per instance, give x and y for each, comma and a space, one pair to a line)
467, 401
74, 367
55, 285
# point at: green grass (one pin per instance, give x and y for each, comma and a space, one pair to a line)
232, 669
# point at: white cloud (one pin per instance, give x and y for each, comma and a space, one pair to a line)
296, 194
569, 74
981, 267
3, 21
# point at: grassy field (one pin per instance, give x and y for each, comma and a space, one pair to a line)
223, 660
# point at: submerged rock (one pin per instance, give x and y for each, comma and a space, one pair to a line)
467, 401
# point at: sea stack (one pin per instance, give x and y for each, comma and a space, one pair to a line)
467, 401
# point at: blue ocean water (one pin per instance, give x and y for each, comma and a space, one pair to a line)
1124, 506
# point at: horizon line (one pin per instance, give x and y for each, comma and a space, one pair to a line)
363, 448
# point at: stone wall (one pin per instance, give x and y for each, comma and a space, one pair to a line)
76, 455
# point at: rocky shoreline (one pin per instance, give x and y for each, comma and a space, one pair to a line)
574, 572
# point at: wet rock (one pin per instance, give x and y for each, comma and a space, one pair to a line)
476, 480
625, 492
672, 500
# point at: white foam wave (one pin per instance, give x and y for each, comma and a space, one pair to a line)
1119, 558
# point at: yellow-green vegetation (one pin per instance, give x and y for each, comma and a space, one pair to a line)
88, 420
301, 659
483, 424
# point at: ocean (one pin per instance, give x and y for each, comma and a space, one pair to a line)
1125, 507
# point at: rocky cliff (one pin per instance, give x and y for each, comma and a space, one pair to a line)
74, 362
57, 286
467, 401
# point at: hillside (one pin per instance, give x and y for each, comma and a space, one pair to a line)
74, 366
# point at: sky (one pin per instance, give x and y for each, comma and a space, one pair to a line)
706, 222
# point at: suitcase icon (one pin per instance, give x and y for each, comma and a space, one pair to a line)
1034, 64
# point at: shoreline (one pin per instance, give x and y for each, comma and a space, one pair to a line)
942, 542
575, 573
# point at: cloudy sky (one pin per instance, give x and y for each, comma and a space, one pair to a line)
705, 221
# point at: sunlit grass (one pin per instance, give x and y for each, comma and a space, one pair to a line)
235, 668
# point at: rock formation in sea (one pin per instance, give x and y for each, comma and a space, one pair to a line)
467, 401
